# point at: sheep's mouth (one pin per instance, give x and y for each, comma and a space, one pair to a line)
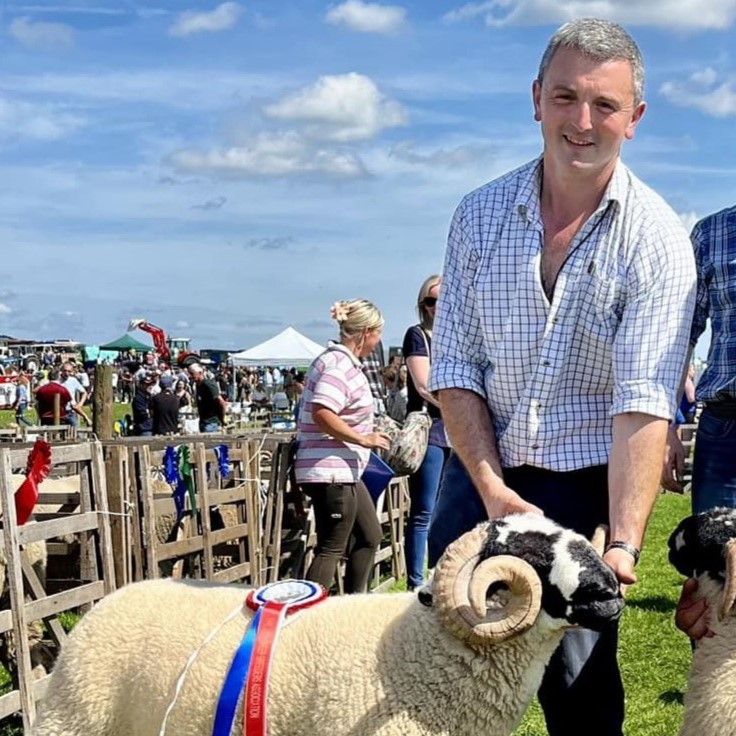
598, 615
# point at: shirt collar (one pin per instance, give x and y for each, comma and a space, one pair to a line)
527, 204
332, 345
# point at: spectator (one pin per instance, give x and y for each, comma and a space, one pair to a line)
335, 436
22, 399
76, 391
210, 404
46, 398
424, 484
165, 408
182, 393
141, 406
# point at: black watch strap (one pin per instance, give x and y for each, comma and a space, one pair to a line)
626, 547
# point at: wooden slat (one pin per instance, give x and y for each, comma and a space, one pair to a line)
149, 514
64, 601
204, 510
72, 524
229, 534
181, 547
6, 620
99, 491
9, 704
234, 573
36, 589
78, 452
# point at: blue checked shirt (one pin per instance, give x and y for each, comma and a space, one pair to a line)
613, 339
714, 242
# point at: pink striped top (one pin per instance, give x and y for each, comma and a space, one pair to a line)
336, 381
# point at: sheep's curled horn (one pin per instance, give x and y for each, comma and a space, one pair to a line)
461, 583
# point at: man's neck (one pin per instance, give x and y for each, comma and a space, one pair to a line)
571, 196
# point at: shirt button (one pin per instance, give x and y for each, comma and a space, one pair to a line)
545, 363
535, 447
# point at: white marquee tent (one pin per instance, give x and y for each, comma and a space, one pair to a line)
289, 349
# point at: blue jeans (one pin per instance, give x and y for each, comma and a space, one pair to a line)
423, 488
20, 414
584, 669
210, 425
714, 462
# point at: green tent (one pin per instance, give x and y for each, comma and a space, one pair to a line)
127, 342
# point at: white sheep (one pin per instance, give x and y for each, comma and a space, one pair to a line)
704, 546
382, 664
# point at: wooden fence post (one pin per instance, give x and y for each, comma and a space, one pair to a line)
102, 402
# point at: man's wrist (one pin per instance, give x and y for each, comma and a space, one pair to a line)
626, 547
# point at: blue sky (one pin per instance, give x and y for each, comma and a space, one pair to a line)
225, 170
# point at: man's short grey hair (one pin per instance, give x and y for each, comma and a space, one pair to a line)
195, 368
601, 40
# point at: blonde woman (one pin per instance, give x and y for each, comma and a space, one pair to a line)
425, 483
22, 399
335, 436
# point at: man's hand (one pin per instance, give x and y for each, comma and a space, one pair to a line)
692, 613
506, 502
622, 564
673, 466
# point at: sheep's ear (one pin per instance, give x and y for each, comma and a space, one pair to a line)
600, 538
729, 589
682, 543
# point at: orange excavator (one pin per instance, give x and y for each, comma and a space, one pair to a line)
168, 349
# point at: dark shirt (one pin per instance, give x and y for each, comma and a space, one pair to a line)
141, 405
165, 410
45, 400
414, 344
208, 407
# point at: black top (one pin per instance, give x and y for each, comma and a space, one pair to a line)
165, 411
207, 406
414, 345
141, 406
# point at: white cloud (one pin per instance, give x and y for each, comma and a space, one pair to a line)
270, 155
40, 35
5, 309
346, 107
704, 91
685, 14
38, 122
367, 17
445, 158
688, 219
224, 16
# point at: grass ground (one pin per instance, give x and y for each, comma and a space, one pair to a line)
7, 416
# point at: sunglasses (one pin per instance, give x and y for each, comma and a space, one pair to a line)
429, 301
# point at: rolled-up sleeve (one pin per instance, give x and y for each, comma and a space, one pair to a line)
458, 354
652, 340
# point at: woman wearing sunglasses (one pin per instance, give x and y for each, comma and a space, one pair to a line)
423, 485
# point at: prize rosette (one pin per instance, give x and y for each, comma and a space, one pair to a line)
252, 661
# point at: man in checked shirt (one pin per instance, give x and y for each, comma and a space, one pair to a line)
560, 340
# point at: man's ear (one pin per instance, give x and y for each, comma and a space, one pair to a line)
636, 116
537, 100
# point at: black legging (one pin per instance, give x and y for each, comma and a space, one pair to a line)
346, 521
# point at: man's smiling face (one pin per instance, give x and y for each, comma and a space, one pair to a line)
587, 109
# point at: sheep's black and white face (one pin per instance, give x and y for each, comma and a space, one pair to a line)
698, 543
578, 588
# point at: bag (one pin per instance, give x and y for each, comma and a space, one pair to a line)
408, 441
377, 476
